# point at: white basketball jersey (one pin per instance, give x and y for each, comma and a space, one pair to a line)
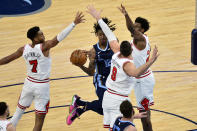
140, 57
38, 66
118, 80
4, 124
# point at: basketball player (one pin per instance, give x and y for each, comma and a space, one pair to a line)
37, 58
122, 68
144, 84
100, 60
125, 123
5, 125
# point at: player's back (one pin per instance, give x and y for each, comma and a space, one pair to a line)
140, 57
38, 66
118, 80
120, 125
3, 125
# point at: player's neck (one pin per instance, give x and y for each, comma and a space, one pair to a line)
121, 56
102, 45
3, 118
33, 44
127, 119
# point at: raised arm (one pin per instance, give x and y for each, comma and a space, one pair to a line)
131, 70
108, 33
129, 22
62, 35
138, 36
12, 57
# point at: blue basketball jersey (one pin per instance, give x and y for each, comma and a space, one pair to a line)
102, 64
120, 125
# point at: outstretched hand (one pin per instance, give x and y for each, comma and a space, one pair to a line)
93, 12
79, 18
155, 54
122, 9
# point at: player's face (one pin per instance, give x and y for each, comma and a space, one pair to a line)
138, 27
40, 36
101, 36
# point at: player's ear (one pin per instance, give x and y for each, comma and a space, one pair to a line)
142, 30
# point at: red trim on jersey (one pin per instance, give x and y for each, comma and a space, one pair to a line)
152, 103
22, 107
106, 126
144, 76
146, 72
47, 106
43, 112
40, 112
37, 81
111, 90
140, 109
115, 93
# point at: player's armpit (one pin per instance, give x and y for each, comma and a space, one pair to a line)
12, 57
115, 47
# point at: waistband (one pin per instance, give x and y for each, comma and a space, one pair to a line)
37, 81
147, 73
115, 93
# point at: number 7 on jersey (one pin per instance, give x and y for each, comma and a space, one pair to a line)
35, 64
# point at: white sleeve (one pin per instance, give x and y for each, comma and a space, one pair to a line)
62, 35
108, 33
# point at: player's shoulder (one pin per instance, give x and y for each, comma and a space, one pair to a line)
10, 127
130, 128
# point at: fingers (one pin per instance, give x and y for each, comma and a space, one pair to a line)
119, 9
79, 17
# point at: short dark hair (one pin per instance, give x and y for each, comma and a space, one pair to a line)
3, 108
107, 21
144, 23
32, 32
125, 48
126, 109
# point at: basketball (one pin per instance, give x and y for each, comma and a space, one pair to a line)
78, 57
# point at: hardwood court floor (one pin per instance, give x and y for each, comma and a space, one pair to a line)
171, 25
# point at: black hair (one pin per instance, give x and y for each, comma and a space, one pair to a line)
3, 108
144, 23
107, 21
126, 109
125, 48
32, 32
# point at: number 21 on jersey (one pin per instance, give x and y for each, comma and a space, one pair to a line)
114, 72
